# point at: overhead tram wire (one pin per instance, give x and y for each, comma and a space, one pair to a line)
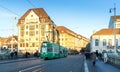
31, 3
8, 10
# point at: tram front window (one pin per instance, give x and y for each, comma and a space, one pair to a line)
44, 49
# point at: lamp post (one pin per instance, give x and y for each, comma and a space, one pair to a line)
114, 9
12, 43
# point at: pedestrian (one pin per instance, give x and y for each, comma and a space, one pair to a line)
16, 54
11, 55
93, 58
100, 56
97, 54
105, 57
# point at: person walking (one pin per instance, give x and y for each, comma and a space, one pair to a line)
94, 58
11, 55
105, 57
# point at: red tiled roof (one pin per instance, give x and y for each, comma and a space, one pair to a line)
117, 17
64, 29
10, 38
107, 31
68, 31
40, 12
5, 40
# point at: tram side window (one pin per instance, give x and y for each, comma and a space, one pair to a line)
49, 49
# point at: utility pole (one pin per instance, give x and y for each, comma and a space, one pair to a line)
14, 18
115, 48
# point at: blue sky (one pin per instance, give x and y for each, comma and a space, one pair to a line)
81, 16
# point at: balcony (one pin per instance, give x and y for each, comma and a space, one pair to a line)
110, 47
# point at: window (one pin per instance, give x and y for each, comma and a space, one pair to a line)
42, 33
22, 33
31, 27
31, 33
23, 45
110, 42
118, 25
36, 32
26, 32
26, 27
43, 27
22, 21
20, 44
104, 42
96, 42
36, 39
36, 26
26, 39
31, 15
26, 44
42, 20
22, 28
116, 42
49, 49
33, 44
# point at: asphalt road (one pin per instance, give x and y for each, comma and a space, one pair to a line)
68, 64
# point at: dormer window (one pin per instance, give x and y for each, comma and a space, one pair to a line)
31, 15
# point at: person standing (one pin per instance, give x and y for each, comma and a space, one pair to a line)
94, 58
105, 57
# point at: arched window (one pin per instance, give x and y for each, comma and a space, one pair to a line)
96, 42
110, 42
26, 44
104, 42
33, 44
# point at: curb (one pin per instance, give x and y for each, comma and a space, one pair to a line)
17, 60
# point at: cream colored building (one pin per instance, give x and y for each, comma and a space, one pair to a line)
10, 43
34, 27
70, 39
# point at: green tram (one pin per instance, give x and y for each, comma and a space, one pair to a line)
52, 50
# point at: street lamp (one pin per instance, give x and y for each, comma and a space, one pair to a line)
114, 9
12, 44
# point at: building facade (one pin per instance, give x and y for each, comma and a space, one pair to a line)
10, 43
103, 40
117, 22
34, 27
70, 39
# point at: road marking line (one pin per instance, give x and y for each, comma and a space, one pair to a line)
30, 68
36, 70
86, 67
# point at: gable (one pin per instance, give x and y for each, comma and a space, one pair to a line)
38, 14
31, 17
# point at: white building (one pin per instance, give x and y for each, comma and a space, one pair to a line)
111, 23
104, 40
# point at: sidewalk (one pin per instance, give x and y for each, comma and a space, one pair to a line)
16, 60
101, 67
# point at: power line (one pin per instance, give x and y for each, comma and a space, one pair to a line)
8, 10
31, 3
